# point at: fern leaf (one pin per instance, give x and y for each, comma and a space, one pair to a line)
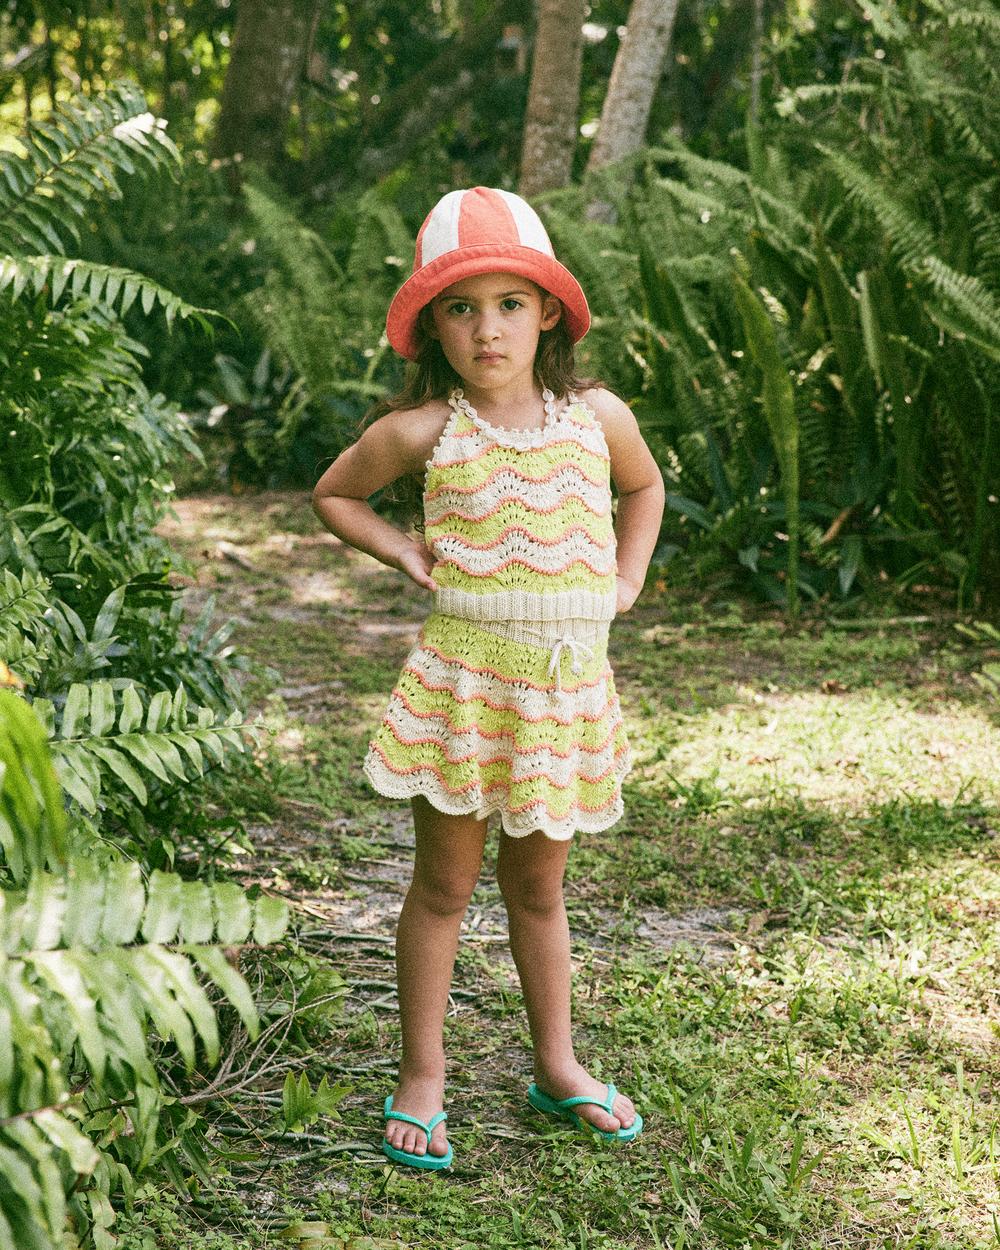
104, 284
32, 823
961, 304
779, 408
95, 140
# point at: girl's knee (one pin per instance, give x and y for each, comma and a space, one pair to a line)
443, 892
530, 890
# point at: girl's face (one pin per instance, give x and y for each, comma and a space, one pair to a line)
488, 326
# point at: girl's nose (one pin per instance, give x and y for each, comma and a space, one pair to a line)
486, 330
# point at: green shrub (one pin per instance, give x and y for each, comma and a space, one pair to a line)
97, 974
118, 982
865, 230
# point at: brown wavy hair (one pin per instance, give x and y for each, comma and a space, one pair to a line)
430, 376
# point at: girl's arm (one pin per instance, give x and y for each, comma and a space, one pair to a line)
641, 493
395, 444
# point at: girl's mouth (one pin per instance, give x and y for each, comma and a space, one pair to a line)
489, 356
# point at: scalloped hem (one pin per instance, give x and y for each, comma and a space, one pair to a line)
514, 824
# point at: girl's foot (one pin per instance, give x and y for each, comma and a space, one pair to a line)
574, 1080
423, 1099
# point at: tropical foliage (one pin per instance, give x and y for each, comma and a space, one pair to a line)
96, 963
800, 302
114, 975
838, 297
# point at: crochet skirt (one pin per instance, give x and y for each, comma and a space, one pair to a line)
481, 723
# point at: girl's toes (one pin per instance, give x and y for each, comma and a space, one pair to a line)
599, 1118
439, 1143
624, 1111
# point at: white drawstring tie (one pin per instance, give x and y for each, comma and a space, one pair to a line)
575, 647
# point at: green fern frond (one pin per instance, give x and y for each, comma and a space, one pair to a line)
933, 86
886, 21
824, 92
964, 306
99, 905
23, 604
98, 970
816, 445
593, 251
382, 241
309, 263
73, 157
909, 238
32, 821
985, 224
101, 283
959, 303
778, 401
982, 19
85, 966
951, 500
309, 312
706, 173
33, 1209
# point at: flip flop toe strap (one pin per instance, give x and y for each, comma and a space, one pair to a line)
428, 1128
608, 1103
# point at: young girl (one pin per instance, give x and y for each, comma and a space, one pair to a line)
507, 703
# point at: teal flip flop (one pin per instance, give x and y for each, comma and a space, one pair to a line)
562, 1108
434, 1162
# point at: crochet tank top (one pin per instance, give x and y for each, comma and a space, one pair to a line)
521, 526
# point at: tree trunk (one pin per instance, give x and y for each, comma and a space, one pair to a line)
634, 79
265, 63
550, 123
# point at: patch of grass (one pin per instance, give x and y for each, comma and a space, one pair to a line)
828, 796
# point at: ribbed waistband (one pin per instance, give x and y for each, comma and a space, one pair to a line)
560, 607
548, 633
567, 622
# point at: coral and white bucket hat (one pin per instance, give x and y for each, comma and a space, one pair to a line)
481, 230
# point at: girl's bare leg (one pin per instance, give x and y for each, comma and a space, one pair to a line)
449, 853
530, 875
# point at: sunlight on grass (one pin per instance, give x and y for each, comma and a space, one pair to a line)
852, 749
321, 587
924, 1148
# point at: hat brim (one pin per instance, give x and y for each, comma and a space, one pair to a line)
465, 262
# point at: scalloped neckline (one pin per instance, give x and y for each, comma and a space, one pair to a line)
511, 435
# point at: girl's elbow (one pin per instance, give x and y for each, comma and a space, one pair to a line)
325, 503
317, 499
324, 491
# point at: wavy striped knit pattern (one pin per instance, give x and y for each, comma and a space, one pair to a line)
507, 702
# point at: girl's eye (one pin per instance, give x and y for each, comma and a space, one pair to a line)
511, 300
457, 307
